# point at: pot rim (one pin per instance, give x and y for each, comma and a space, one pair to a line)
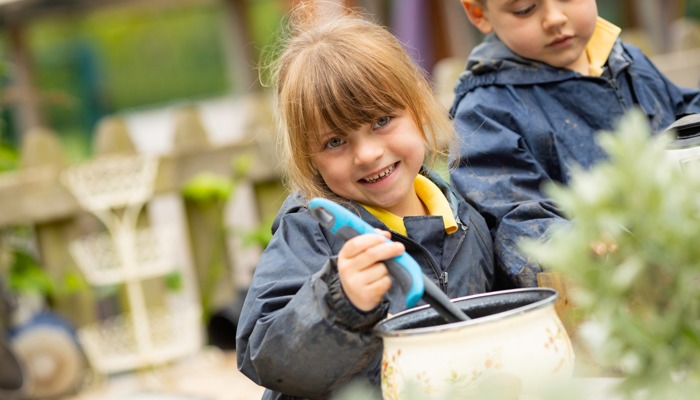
545, 302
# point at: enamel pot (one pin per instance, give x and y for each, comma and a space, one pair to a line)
514, 339
685, 147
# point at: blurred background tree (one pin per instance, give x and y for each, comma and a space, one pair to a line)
102, 57
128, 56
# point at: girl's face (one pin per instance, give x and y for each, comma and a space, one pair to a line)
555, 32
376, 164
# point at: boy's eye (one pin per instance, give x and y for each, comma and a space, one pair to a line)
334, 142
524, 11
382, 121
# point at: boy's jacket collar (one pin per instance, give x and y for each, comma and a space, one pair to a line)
494, 63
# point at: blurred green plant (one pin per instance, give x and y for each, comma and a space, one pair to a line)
209, 193
173, 281
260, 236
144, 54
208, 187
640, 295
25, 274
9, 158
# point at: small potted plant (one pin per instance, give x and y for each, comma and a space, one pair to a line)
632, 252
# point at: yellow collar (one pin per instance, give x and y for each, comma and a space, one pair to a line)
600, 45
434, 201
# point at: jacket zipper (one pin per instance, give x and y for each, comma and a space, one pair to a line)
410, 244
443, 279
465, 228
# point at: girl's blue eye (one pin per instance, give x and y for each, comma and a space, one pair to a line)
334, 142
382, 121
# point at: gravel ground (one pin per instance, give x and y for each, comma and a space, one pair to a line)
210, 375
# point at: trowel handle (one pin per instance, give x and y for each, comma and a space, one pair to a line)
345, 224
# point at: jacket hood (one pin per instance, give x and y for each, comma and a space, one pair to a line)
492, 62
293, 203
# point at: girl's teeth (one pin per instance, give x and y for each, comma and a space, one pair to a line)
380, 175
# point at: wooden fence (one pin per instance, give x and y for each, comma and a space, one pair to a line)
35, 196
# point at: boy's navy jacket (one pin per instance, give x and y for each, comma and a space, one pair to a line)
523, 123
300, 337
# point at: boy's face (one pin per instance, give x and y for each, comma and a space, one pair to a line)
555, 32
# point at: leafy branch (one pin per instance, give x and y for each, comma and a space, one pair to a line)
641, 299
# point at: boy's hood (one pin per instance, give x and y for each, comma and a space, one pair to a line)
493, 55
494, 63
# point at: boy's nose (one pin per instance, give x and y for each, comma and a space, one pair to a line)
554, 16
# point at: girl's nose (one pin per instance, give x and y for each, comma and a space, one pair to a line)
554, 17
367, 150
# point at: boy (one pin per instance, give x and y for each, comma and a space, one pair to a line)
548, 76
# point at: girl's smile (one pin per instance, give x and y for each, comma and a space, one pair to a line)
381, 175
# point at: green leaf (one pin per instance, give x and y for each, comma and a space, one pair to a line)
208, 187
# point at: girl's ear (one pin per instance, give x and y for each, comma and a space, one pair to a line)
475, 13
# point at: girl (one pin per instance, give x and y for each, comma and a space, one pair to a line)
359, 123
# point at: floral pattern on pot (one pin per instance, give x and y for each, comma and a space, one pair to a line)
520, 351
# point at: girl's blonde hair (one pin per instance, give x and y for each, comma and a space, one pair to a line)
339, 73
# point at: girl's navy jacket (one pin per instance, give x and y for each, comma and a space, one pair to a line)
300, 337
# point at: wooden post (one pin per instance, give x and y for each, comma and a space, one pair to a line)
572, 317
112, 137
206, 224
40, 148
27, 111
241, 54
563, 305
655, 17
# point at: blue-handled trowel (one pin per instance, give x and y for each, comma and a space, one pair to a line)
404, 269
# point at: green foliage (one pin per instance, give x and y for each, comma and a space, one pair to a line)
134, 55
241, 165
641, 294
259, 236
9, 158
208, 187
173, 281
265, 16
93, 64
112, 59
209, 192
25, 273
8, 154
693, 9
151, 55
26, 276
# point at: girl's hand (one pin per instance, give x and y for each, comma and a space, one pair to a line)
363, 276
